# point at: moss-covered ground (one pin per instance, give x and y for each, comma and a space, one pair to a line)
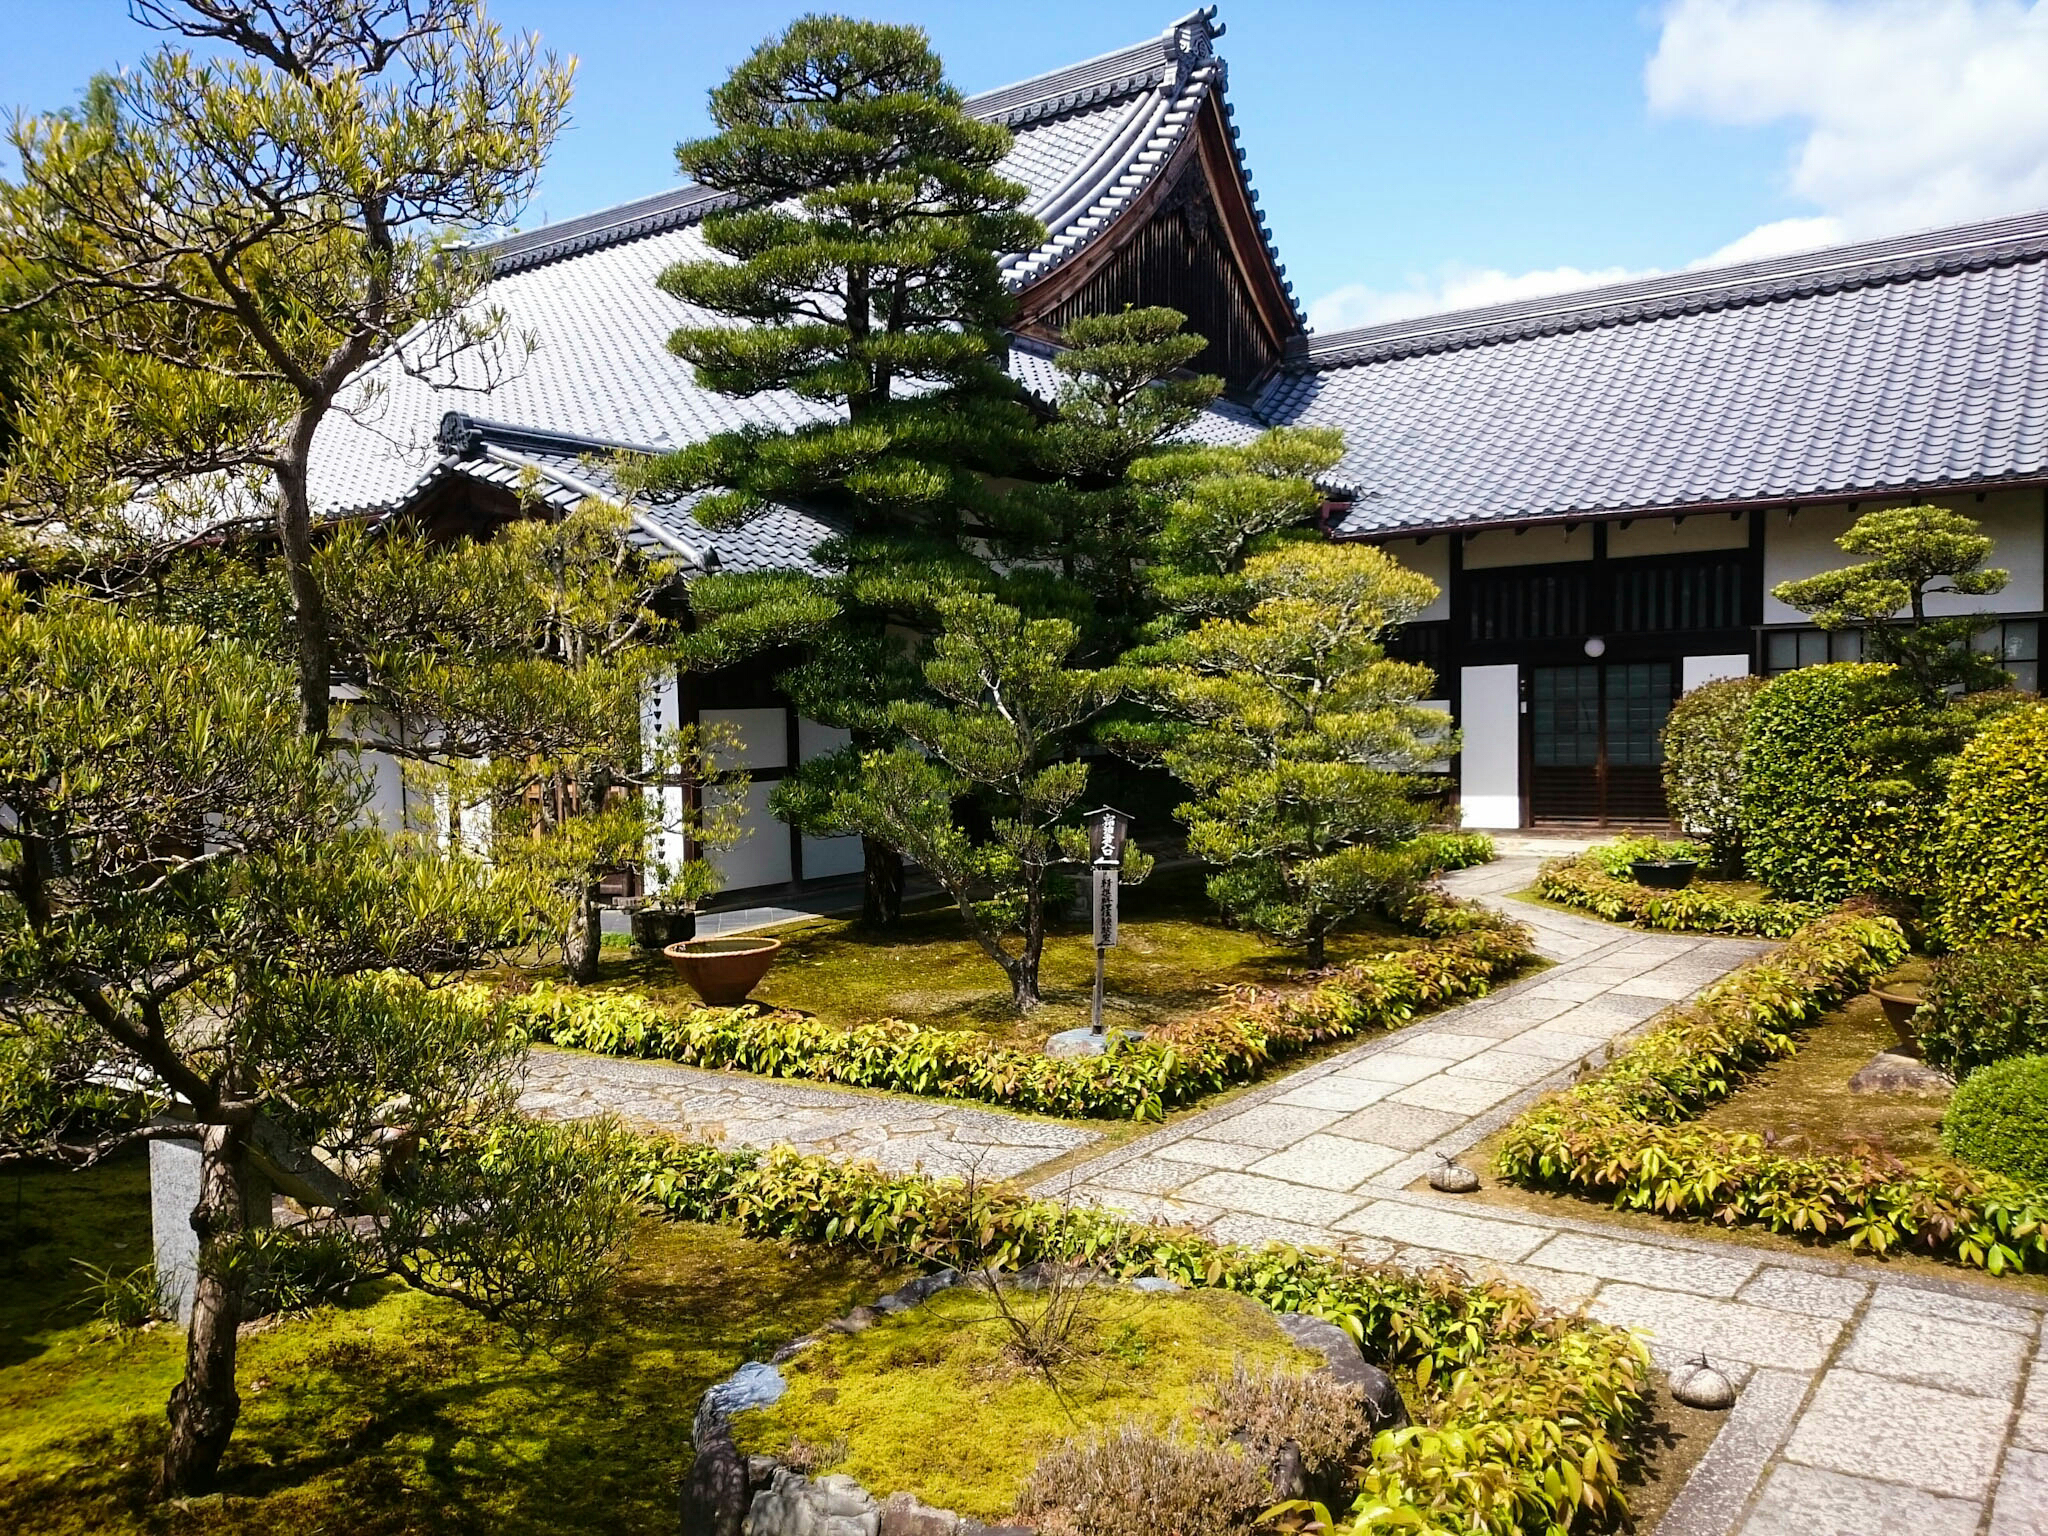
1173, 954
938, 1402
397, 1415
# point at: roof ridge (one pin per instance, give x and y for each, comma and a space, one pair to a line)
1090, 83
461, 434
1898, 258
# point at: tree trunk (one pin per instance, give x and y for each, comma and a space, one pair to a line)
204, 1406
1315, 951
881, 903
1024, 983
309, 603
584, 942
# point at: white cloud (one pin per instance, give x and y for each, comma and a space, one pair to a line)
1355, 304
1913, 113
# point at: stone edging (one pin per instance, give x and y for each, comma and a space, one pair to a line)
727, 1493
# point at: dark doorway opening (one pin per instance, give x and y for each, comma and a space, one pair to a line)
1595, 748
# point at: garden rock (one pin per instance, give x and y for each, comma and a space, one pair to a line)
753, 1385
857, 1321
904, 1514
1889, 1072
715, 1497
1452, 1178
1347, 1366
1698, 1385
795, 1505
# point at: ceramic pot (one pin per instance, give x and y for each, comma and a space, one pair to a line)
1901, 1002
1664, 874
658, 927
723, 971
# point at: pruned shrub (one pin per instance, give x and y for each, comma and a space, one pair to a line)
1985, 1005
1993, 859
1703, 765
1112, 1485
1998, 1119
1821, 821
1327, 1422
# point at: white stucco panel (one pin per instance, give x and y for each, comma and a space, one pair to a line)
1632, 537
762, 856
764, 737
1711, 669
1432, 558
1547, 544
1490, 766
1803, 544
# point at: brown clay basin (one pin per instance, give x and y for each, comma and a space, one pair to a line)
723, 971
1901, 1000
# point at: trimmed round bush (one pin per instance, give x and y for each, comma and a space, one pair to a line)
1985, 1005
1994, 837
1816, 824
1703, 764
1999, 1119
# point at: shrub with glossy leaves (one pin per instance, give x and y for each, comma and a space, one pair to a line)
1993, 857
1597, 881
1985, 1005
1820, 821
1999, 1119
1178, 1063
1703, 764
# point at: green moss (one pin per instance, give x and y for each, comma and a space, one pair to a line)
395, 1414
935, 1403
1172, 956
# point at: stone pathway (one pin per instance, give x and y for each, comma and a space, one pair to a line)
898, 1132
1870, 1404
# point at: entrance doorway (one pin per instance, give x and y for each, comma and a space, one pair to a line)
1595, 747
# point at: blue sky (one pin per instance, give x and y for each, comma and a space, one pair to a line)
1409, 156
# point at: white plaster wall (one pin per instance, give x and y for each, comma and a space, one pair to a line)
761, 857
764, 737
815, 740
1674, 536
1441, 707
828, 856
1711, 669
1803, 544
1490, 767
1432, 558
1545, 545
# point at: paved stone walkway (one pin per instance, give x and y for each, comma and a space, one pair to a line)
898, 1132
1870, 1403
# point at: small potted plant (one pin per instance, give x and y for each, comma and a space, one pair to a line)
1663, 874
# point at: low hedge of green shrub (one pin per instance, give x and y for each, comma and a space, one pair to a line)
1523, 1421
1468, 950
1998, 1119
1597, 881
1619, 1135
1984, 1005
1993, 857
1816, 826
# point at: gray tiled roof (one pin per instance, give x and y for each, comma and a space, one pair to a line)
563, 471
1892, 366
1089, 138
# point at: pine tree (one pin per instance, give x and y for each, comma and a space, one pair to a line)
231, 238
860, 262
997, 731
1290, 726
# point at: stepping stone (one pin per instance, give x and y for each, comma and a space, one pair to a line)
1889, 1072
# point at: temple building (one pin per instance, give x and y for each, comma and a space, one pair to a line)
1605, 486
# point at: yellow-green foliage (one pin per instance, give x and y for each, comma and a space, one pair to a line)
1623, 1135
1525, 1423
1588, 882
397, 1415
1994, 841
1468, 950
932, 1401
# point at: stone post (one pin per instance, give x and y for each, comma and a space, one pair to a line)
173, 1192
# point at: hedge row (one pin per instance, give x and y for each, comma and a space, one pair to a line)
1524, 1422
1619, 1135
1994, 844
1587, 882
1468, 950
